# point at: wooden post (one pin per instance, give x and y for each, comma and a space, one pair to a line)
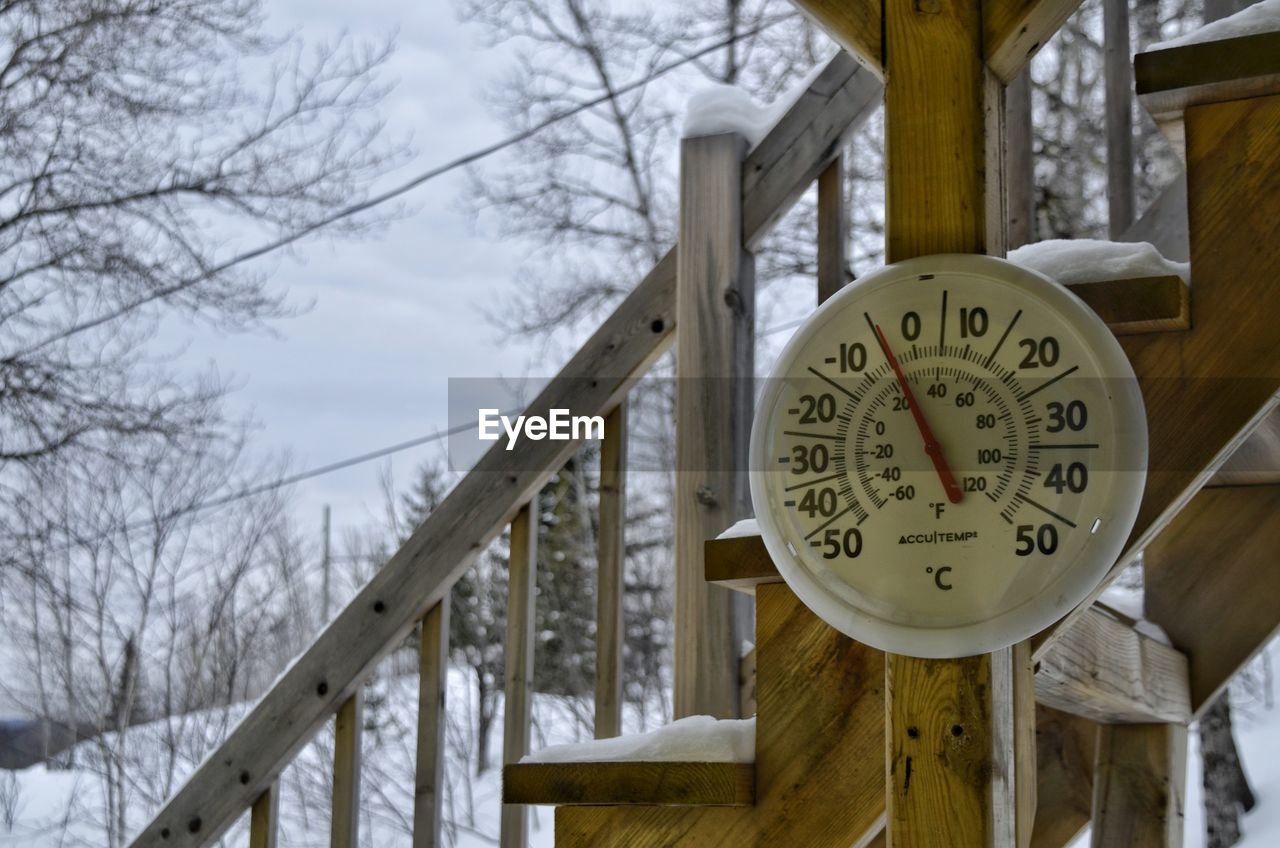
833, 230
956, 737
715, 306
347, 731
1118, 66
264, 820
1020, 166
610, 568
1138, 785
433, 680
518, 653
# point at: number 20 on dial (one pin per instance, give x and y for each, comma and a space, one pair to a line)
948, 456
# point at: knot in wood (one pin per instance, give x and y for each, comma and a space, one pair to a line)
706, 495
736, 303
929, 7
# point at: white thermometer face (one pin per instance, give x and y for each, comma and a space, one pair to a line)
948, 456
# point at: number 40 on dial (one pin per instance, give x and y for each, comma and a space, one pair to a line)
948, 456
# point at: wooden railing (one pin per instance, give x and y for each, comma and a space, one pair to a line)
412, 589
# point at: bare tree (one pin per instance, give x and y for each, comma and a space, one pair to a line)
140, 169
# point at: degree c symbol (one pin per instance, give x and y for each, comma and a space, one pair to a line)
939, 574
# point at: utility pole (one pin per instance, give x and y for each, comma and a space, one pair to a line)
325, 565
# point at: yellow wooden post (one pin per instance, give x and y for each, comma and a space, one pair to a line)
518, 653
1139, 784
348, 728
956, 729
264, 819
433, 673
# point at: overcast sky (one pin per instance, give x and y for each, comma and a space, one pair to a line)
392, 316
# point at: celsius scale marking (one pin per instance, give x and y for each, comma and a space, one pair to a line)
949, 455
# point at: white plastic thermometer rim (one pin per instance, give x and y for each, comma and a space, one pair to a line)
1076, 580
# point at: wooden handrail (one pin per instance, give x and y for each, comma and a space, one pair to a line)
425, 568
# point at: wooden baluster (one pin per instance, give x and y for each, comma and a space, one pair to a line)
433, 679
833, 230
1138, 785
1118, 68
521, 574
611, 560
715, 317
348, 729
264, 820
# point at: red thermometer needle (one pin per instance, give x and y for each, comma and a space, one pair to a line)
931, 445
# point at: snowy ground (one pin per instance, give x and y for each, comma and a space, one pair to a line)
61, 807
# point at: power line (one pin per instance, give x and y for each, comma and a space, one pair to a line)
405, 187
354, 209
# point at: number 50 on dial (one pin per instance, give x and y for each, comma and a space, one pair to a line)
948, 456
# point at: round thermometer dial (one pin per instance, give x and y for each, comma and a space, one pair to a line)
949, 455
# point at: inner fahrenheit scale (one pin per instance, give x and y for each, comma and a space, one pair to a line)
942, 450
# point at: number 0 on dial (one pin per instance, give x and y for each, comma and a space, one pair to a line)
948, 456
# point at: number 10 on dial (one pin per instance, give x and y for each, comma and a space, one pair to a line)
948, 456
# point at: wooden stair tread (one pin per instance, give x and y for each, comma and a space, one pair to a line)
630, 783
1209, 72
1171, 80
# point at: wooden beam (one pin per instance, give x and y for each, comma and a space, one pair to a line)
1101, 668
1105, 670
517, 709
264, 819
833, 230
610, 565
1226, 369
423, 571
1139, 786
1019, 157
1119, 115
630, 783
937, 143
1065, 746
1172, 80
348, 730
954, 749
782, 167
819, 774
1212, 582
433, 686
1257, 461
1015, 30
715, 320
1139, 305
854, 24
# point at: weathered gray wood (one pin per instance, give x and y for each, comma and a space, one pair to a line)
1104, 670
787, 161
833, 230
715, 318
1257, 461
610, 561
1164, 224
517, 709
424, 569
433, 673
1119, 114
1139, 786
1019, 160
264, 819
348, 728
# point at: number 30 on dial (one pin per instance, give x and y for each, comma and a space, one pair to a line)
949, 455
